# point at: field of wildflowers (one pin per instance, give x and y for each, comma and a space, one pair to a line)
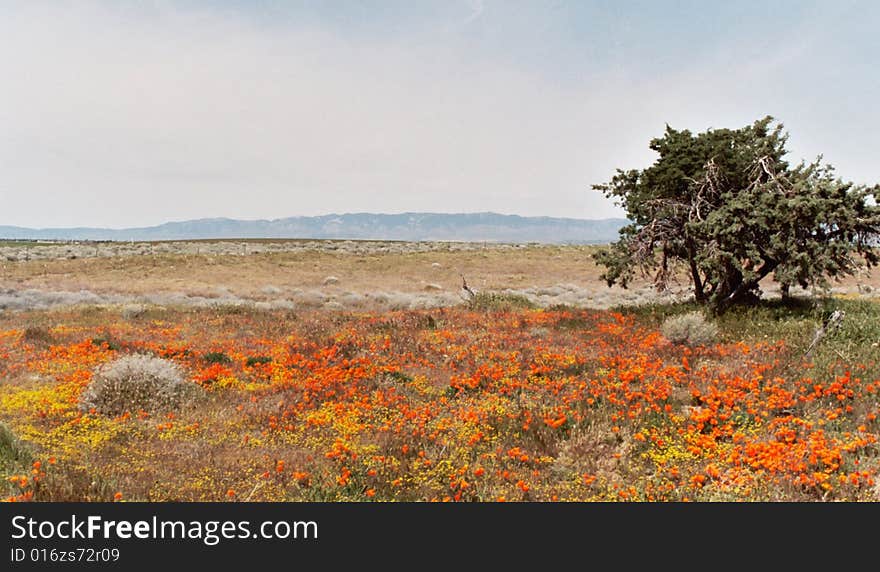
448, 404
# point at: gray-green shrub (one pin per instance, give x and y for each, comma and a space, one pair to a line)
690, 329
137, 382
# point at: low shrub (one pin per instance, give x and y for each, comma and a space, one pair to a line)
38, 336
133, 311
499, 301
137, 383
690, 329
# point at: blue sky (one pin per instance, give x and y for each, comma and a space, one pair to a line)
134, 113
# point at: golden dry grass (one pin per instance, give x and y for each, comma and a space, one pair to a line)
247, 275
369, 267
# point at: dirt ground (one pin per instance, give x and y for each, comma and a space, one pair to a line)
318, 274
366, 269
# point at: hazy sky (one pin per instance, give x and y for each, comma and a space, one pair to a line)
135, 113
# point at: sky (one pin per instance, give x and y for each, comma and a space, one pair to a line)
134, 113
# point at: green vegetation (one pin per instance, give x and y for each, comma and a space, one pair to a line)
14, 455
217, 357
15, 459
795, 321
726, 207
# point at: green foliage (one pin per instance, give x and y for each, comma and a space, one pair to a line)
727, 206
13, 452
106, 341
217, 357
398, 376
856, 341
15, 459
257, 360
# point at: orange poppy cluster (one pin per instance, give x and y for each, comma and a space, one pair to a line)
451, 405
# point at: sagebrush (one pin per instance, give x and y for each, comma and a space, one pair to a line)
690, 329
136, 383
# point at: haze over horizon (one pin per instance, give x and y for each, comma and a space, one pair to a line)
317, 215
133, 114
413, 226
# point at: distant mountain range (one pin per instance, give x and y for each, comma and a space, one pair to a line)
489, 227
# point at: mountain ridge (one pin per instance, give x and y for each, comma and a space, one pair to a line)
417, 226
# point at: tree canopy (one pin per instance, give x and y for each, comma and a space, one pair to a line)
727, 205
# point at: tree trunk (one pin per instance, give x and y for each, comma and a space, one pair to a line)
743, 287
730, 285
662, 277
699, 288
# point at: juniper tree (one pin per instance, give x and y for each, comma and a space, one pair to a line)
727, 206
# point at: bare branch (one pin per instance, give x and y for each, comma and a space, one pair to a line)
833, 321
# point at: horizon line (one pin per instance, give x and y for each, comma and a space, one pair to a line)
329, 214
